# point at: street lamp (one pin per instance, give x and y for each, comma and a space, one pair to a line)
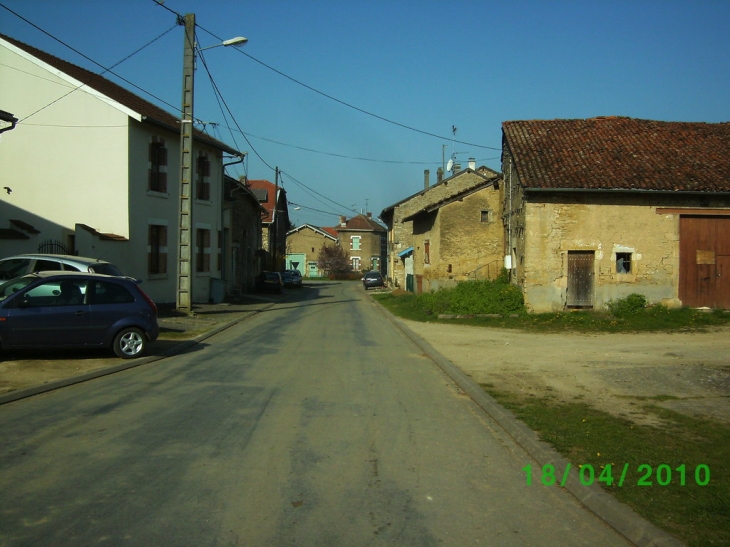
184, 293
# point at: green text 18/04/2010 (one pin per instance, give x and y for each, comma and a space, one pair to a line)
662, 475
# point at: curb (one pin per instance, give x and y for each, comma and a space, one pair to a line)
12, 396
624, 520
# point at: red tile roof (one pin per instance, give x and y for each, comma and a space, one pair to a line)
115, 92
619, 153
270, 202
362, 222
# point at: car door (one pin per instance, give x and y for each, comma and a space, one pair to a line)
49, 315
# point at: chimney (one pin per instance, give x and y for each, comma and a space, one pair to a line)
343, 221
472, 164
370, 215
439, 174
456, 168
426, 177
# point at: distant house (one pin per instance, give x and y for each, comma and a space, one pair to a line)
303, 244
242, 214
93, 169
365, 240
448, 232
275, 222
600, 208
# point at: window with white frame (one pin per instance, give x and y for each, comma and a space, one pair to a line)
355, 243
355, 263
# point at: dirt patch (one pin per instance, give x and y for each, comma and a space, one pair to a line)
618, 373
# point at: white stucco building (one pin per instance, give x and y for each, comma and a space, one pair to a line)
95, 168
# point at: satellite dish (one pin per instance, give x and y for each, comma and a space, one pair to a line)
450, 165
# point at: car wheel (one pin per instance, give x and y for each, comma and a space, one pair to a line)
129, 343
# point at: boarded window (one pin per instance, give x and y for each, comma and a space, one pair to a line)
157, 180
202, 181
157, 249
202, 254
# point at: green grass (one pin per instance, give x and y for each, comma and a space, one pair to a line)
657, 318
699, 515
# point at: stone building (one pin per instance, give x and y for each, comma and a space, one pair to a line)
600, 208
303, 244
275, 222
447, 232
365, 241
242, 214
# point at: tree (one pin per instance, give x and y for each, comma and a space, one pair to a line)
333, 259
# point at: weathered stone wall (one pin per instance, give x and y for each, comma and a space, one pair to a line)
462, 246
400, 235
554, 229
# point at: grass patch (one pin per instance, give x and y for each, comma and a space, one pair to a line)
699, 515
426, 307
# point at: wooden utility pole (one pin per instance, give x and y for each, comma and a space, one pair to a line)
184, 299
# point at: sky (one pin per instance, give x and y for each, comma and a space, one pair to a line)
352, 101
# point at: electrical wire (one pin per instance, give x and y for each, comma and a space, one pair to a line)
105, 69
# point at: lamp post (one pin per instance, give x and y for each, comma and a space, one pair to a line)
185, 269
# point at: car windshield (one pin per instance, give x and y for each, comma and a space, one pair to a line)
105, 268
14, 285
9, 269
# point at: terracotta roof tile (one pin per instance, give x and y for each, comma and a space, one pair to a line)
620, 153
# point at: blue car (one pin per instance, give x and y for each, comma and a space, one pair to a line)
76, 310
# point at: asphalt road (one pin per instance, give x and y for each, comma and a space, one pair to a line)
314, 423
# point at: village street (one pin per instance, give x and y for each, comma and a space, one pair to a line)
316, 422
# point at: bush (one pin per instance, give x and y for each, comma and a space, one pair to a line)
631, 305
474, 297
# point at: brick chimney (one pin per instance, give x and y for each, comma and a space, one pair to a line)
439, 174
343, 221
426, 179
370, 215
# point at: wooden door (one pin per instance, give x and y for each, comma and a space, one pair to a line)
580, 279
704, 261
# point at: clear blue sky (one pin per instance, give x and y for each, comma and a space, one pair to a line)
427, 64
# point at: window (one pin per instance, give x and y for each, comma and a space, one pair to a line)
375, 262
202, 254
486, 216
355, 243
157, 249
157, 181
355, 263
202, 178
105, 292
427, 252
56, 293
623, 263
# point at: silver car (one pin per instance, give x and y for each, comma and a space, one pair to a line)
15, 266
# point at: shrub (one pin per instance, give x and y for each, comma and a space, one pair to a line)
474, 297
630, 305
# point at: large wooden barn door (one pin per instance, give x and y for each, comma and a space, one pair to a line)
580, 278
704, 261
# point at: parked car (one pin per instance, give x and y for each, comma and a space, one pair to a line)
76, 310
291, 278
14, 266
269, 282
373, 279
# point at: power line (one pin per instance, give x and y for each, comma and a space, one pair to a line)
348, 105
